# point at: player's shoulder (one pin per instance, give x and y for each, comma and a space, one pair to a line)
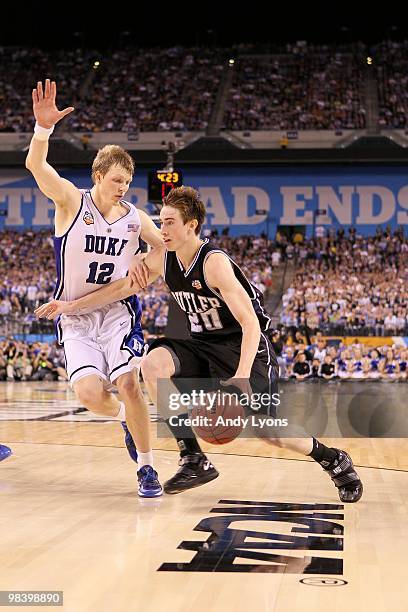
216, 262
213, 253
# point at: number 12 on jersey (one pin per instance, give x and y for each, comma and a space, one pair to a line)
105, 273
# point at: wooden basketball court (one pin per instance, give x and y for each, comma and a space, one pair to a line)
269, 534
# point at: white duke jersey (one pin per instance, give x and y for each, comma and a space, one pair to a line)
94, 252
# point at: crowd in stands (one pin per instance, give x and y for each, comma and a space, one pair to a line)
302, 358
310, 88
21, 360
128, 90
151, 90
27, 276
351, 285
391, 63
21, 68
296, 87
342, 284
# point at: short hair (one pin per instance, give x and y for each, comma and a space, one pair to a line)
111, 155
187, 201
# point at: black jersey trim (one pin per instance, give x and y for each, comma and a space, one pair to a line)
82, 368
122, 365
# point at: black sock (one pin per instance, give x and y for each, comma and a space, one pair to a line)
186, 440
323, 454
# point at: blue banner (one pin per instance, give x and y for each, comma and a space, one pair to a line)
247, 200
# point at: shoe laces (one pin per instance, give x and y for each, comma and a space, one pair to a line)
192, 458
148, 473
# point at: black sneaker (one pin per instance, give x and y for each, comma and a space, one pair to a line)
195, 470
344, 476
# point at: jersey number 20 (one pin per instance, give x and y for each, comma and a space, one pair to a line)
105, 273
210, 319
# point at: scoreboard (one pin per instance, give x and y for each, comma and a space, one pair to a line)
160, 182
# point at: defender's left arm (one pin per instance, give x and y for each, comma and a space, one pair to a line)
151, 234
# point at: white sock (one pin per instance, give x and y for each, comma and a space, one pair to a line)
144, 459
121, 416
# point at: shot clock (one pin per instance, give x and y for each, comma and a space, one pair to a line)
160, 182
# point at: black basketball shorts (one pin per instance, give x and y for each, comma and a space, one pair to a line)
218, 359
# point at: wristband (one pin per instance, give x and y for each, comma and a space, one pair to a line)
42, 133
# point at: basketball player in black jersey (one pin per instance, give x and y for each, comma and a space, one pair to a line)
227, 321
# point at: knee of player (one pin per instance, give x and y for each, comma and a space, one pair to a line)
128, 386
90, 395
157, 364
150, 369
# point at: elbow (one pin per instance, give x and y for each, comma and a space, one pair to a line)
30, 164
251, 324
159, 246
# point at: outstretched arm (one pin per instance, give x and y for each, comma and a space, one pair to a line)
113, 292
46, 113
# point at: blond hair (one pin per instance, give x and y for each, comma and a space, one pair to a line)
112, 155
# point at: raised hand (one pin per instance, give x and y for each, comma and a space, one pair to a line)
45, 110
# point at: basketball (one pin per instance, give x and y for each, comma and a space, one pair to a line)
219, 420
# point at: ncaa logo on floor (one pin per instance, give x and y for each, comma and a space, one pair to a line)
261, 549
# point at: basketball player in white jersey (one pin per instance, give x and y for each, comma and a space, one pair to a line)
226, 320
96, 237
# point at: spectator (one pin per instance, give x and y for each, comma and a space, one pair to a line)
301, 369
328, 369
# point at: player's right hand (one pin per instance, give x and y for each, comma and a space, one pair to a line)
53, 309
138, 271
45, 110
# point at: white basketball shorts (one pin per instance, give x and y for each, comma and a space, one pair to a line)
107, 342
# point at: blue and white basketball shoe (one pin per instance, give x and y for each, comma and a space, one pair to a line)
149, 485
5, 452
